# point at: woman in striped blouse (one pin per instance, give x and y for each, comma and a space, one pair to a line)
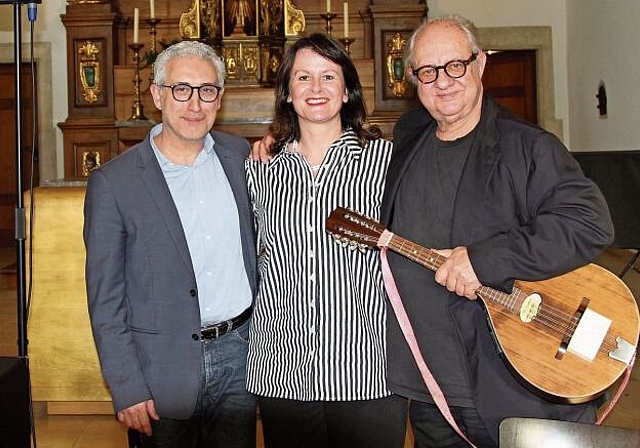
317, 344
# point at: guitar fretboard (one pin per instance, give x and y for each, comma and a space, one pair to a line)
433, 260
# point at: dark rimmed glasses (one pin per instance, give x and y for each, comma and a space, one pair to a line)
454, 69
183, 92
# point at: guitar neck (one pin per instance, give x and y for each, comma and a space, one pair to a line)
432, 260
426, 257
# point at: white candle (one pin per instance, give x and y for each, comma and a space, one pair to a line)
345, 11
152, 9
328, 5
136, 23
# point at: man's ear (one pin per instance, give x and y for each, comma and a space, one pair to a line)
482, 61
155, 94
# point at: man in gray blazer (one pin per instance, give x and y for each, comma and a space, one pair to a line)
170, 270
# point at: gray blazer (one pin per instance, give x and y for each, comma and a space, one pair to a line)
141, 288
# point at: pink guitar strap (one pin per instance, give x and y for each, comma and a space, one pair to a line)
407, 331
618, 394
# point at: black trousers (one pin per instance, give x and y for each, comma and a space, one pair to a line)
431, 429
379, 423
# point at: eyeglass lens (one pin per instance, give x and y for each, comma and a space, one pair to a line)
453, 69
206, 92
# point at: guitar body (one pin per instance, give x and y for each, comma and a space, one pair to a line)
531, 350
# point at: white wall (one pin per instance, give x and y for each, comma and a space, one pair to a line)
496, 13
603, 45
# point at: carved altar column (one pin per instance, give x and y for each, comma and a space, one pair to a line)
393, 24
88, 131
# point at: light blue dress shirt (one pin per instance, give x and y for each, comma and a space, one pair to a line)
209, 217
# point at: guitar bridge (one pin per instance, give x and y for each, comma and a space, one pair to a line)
624, 351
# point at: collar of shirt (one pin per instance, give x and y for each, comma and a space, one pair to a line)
347, 144
166, 164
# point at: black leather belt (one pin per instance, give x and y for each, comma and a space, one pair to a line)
217, 330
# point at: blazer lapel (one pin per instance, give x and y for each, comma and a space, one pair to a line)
157, 188
235, 175
404, 151
232, 162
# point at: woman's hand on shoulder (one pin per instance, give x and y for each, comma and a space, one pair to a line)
260, 149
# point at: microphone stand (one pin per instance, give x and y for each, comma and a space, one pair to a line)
20, 219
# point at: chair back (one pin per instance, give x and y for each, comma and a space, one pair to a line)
516, 432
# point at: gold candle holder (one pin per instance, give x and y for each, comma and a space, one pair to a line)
328, 17
152, 33
137, 108
347, 41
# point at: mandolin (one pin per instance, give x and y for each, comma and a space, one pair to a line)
570, 337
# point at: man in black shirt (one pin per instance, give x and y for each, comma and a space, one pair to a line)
503, 200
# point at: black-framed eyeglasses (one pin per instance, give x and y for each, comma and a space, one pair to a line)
182, 92
454, 69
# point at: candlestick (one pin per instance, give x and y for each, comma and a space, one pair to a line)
137, 107
152, 9
328, 5
153, 23
328, 17
154, 52
136, 24
345, 11
347, 41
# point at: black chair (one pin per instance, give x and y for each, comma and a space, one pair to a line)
617, 173
518, 432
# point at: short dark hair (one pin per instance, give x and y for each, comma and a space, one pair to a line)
353, 114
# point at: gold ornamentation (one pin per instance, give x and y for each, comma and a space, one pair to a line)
274, 64
294, 19
190, 22
272, 17
210, 17
90, 161
89, 71
231, 62
242, 62
398, 82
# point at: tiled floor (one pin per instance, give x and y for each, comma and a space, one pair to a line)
91, 431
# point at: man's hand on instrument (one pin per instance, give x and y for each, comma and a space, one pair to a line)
137, 416
261, 149
456, 273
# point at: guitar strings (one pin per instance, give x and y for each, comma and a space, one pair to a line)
548, 316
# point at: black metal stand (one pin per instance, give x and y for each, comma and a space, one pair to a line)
20, 218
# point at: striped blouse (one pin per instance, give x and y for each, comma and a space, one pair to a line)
318, 330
